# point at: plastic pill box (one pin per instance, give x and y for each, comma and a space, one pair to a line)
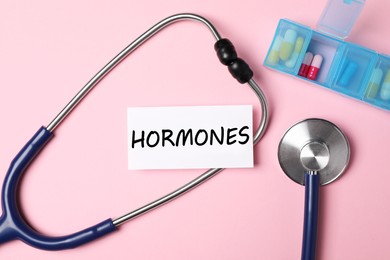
323, 57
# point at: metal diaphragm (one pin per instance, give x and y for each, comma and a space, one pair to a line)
314, 145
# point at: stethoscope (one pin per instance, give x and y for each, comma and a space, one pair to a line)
313, 152
12, 224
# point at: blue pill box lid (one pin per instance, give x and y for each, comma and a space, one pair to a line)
339, 16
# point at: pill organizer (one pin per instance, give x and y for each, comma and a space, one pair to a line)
323, 57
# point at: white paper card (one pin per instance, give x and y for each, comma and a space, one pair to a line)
190, 137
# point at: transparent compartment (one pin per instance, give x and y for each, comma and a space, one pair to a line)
329, 49
288, 47
339, 16
377, 90
354, 70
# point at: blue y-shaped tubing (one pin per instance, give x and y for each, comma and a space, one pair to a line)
12, 225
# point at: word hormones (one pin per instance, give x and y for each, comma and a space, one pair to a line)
200, 137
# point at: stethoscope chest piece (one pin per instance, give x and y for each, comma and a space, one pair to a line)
313, 152
314, 145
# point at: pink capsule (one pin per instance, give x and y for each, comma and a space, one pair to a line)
304, 69
314, 67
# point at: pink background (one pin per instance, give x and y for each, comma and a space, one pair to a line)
50, 49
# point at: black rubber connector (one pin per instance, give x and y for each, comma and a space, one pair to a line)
225, 51
240, 70
227, 55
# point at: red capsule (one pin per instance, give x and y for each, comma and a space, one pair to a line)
304, 69
314, 67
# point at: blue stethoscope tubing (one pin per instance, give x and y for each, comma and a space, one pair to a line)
310, 218
12, 224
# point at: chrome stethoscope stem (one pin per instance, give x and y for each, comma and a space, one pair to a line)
264, 110
113, 63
